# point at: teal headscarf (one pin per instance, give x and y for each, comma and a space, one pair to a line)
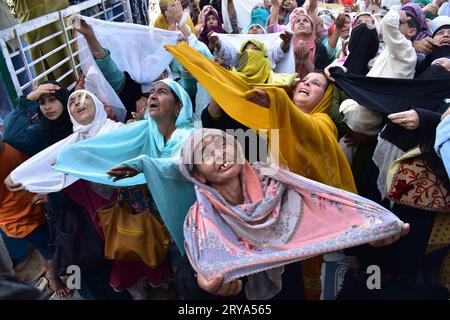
251, 25
422, 4
141, 146
259, 16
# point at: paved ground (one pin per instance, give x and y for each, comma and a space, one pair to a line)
33, 273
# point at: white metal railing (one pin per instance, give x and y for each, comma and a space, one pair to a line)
102, 9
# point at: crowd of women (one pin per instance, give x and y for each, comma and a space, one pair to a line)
349, 109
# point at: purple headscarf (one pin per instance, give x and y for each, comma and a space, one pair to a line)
415, 9
204, 34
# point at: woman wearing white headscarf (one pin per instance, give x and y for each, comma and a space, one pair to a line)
143, 152
89, 119
37, 175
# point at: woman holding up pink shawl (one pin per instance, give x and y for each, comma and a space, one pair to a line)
253, 220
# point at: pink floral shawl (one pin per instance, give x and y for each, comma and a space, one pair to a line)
285, 218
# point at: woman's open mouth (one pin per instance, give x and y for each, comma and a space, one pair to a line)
304, 92
81, 110
225, 167
153, 106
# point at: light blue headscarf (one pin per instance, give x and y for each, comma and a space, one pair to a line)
251, 25
141, 146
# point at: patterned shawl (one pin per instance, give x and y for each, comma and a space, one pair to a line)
285, 218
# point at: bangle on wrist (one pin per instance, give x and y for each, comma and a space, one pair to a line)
99, 52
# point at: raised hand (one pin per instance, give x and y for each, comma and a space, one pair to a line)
260, 97
173, 14
340, 21
374, 6
403, 17
13, 187
390, 240
432, 8
84, 28
178, 10
214, 41
328, 74
47, 88
424, 46
276, 3
407, 119
289, 5
286, 37
302, 51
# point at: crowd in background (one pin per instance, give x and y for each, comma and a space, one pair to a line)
358, 94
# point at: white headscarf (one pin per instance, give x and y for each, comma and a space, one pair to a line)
37, 175
374, 20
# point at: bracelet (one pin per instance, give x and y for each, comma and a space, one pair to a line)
95, 53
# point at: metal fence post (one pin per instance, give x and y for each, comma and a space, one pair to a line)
127, 11
66, 36
11, 82
104, 10
7, 67
25, 61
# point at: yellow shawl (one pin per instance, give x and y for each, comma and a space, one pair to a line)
308, 142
